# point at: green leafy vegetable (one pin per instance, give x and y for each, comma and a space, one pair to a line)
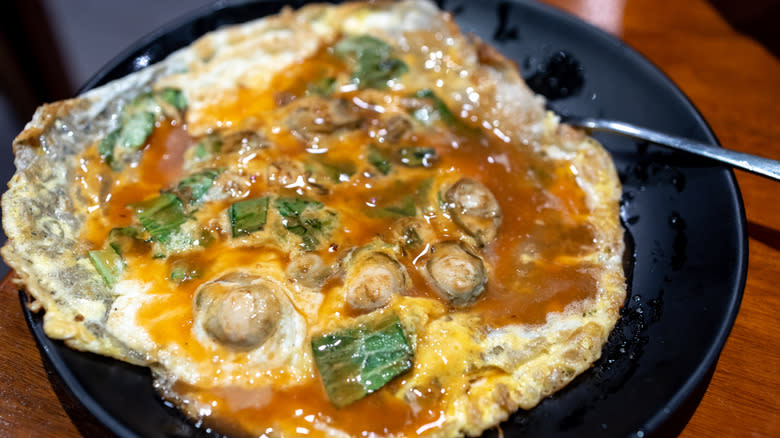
144, 103
136, 130
161, 216
407, 205
362, 45
129, 231
302, 227
374, 66
336, 171
206, 238
196, 185
405, 208
180, 274
106, 147
174, 97
309, 242
324, 87
415, 156
124, 238
379, 160
425, 186
438, 110
357, 361
372, 73
208, 147
411, 237
108, 263
293, 207
248, 216
292, 211
136, 123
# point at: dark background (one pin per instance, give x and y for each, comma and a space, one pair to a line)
48, 48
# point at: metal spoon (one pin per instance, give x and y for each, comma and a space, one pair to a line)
751, 163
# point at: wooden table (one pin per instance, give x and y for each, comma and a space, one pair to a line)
733, 81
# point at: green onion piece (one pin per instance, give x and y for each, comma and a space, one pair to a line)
411, 237
426, 93
291, 210
309, 242
106, 146
425, 186
174, 97
201, 151
374, 73
129, 231
136, 130
161, 216
108, 263
248, 216
178, 275
207, 147
324, 87
206, 238
408, 205
357, 361
415, 156
305, 229
181, 274
362, 45
405, 208
379, 160
337, 171
196, 185
293, 207
374, 65
294, 227
439, 107
143, 103
123, 238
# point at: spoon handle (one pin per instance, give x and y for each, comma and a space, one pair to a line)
751, 163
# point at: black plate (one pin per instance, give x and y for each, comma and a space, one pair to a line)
685, 216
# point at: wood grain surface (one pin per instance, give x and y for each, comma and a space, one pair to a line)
732, 80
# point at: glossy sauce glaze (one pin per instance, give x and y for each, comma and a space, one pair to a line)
531, 264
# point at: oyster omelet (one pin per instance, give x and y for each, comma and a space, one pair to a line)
340, 220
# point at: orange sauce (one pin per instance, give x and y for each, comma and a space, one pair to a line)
159, 168
515, 293
163, 156
302, 408
292, 81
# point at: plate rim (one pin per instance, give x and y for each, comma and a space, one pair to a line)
709, 361
71, 382
652, 424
